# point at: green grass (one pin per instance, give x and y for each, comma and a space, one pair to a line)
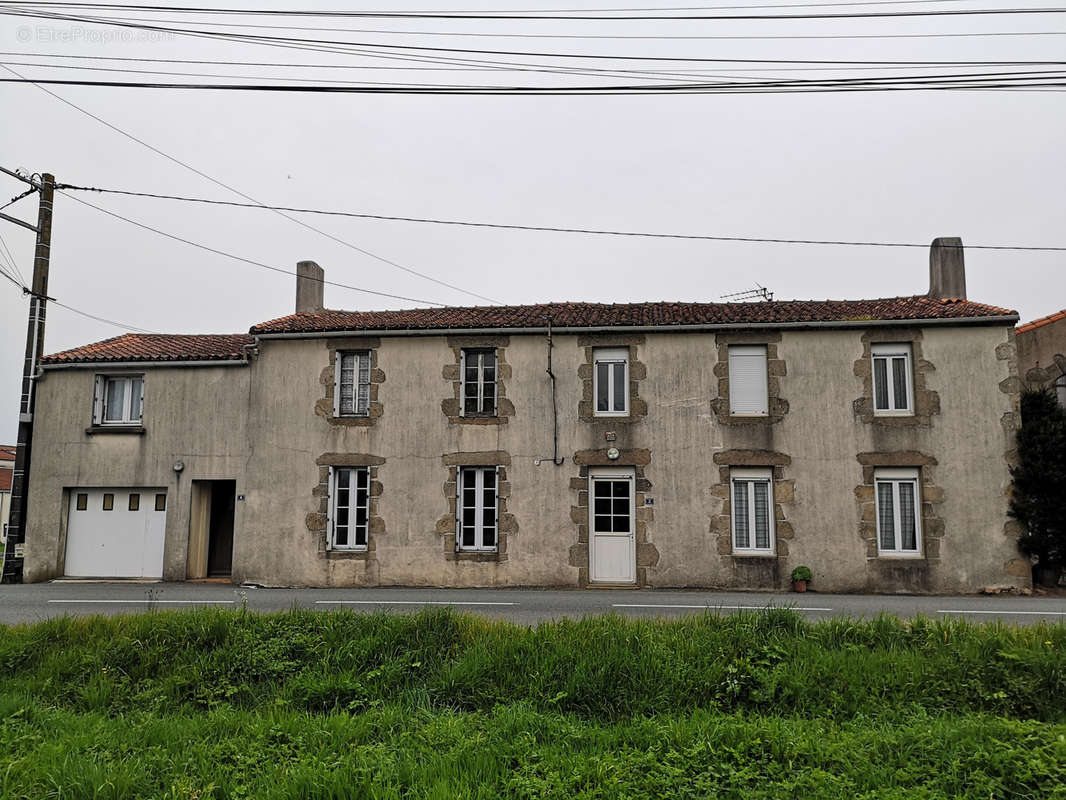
220, 704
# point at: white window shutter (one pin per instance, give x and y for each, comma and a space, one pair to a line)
98, 400
362, 388
331, 493
337, 383
748, 392
462, 388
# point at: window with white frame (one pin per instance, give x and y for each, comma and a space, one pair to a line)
476, 508
749, 393
899, 524
892, 378
352, 390
753, 510
479, 383
118, 400
349, 507
611, 381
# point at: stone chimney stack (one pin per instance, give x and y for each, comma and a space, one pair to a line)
309, 286
947, 269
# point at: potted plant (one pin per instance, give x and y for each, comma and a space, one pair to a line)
801, 576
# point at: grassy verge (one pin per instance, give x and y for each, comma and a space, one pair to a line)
220, 704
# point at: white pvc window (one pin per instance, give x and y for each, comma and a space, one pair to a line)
752, 510
349, 507
611, 382
899, 524
478, 390
892, 378
748, 383
476, 509
118, 400
352, 389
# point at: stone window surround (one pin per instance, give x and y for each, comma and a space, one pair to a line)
317, 522
450, 406
324, 406
775, 370
926, 402
507, 525
647, 554
638, 371
932, 496
763, 568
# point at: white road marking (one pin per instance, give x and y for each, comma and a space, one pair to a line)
1038, 613
730, 608
143, 601
406, 603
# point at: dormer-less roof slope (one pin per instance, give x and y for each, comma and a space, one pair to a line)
153, 347
1040, 323
178, 348
603, 315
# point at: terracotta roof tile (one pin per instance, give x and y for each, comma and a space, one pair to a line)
157, 347
132, 347
1039, 323
594, 315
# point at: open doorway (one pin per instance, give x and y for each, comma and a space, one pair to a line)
211, 529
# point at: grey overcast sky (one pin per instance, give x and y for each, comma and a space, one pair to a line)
883, 166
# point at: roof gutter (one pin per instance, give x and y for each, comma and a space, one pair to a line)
1005, 319
221, 362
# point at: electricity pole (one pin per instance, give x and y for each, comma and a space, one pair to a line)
20, 479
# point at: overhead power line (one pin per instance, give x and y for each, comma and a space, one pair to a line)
1055, 80
349, 49
105, 320
25, 290
587, 10
238, 192
263, 39
242, 259
578, 36
540, 228
535, 15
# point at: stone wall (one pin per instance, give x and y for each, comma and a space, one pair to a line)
266, 425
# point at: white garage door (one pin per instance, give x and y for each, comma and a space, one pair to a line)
116, 533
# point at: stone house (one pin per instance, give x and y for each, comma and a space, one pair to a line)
1042, 353
561, 444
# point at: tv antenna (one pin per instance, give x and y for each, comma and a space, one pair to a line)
760, 292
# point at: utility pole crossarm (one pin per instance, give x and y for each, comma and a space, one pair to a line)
18, 221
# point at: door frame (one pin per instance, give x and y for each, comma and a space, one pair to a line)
202, 498
613, 473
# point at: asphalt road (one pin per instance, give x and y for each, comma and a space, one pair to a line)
30, 603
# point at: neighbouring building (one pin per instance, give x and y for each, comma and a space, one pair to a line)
7, 468
1042, 353
562, 444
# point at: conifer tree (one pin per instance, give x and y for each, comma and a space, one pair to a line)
1038, 499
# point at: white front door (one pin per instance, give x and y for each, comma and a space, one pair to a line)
612, 527
116, 533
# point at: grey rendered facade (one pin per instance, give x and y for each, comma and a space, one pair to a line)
267, 421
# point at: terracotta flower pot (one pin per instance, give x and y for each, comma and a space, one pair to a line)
799, 586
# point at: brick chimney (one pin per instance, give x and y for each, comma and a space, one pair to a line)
947, 269
309, 285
